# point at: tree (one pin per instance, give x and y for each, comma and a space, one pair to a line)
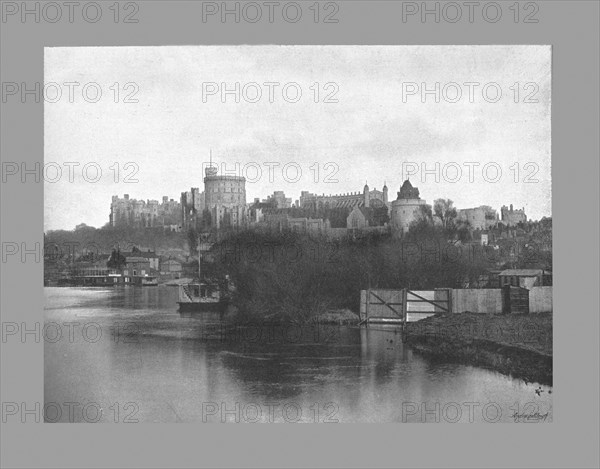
193, 241
380, 215
444, 210
117, 260
425, 214
206, 219
463, 231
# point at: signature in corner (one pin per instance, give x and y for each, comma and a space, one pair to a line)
532, 417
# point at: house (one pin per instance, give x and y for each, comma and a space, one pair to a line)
171, 266
136, 266
525, 278
308, 225
359, 218
151, 256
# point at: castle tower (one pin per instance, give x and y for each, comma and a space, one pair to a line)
225, 198
366, 194
406, 208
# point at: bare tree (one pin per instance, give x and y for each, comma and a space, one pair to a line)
444, 210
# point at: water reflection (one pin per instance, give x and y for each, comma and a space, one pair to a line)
192, 368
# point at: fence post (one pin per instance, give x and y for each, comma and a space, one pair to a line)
506, 299
404, 305
367, 306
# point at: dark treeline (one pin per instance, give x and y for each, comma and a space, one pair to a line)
61, 243
296, 276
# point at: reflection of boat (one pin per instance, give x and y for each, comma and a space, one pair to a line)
201, 297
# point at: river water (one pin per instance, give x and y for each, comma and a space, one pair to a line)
126, 355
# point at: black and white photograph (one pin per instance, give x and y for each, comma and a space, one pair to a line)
317, 234
299, 234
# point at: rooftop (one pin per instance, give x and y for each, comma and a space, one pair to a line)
523, 272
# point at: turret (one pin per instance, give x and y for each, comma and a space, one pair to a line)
210, 171
385, 193
366, 194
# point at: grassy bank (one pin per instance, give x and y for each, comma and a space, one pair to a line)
519, 345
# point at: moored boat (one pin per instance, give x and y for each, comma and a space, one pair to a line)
201, 297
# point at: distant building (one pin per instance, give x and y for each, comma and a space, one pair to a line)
135, 213
224, 199
366, 198
512, 217
192, 206
150, 256
171, 266
358, 219
479, 218
279, 200
485, 238
308, 225
406, 208
525, 278
136, 266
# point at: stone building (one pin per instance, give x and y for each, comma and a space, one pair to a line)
225, 198
366, 198
192, 206
279, 200
358, 218
406, 208
512, 217
135, 213
479, 218
309, 225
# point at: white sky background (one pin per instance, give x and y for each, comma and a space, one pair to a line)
369, 133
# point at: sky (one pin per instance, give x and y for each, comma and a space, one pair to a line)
361, 116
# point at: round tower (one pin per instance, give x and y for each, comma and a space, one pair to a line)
406, 208
366, 194
225, 198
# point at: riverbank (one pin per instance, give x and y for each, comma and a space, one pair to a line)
519, 345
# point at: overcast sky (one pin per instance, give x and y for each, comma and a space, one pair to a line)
368, 134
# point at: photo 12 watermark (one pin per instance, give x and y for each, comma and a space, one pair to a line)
270, 12
69, 412
70, 12
280, 412
72, 92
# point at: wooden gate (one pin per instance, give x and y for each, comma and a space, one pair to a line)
392, 306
